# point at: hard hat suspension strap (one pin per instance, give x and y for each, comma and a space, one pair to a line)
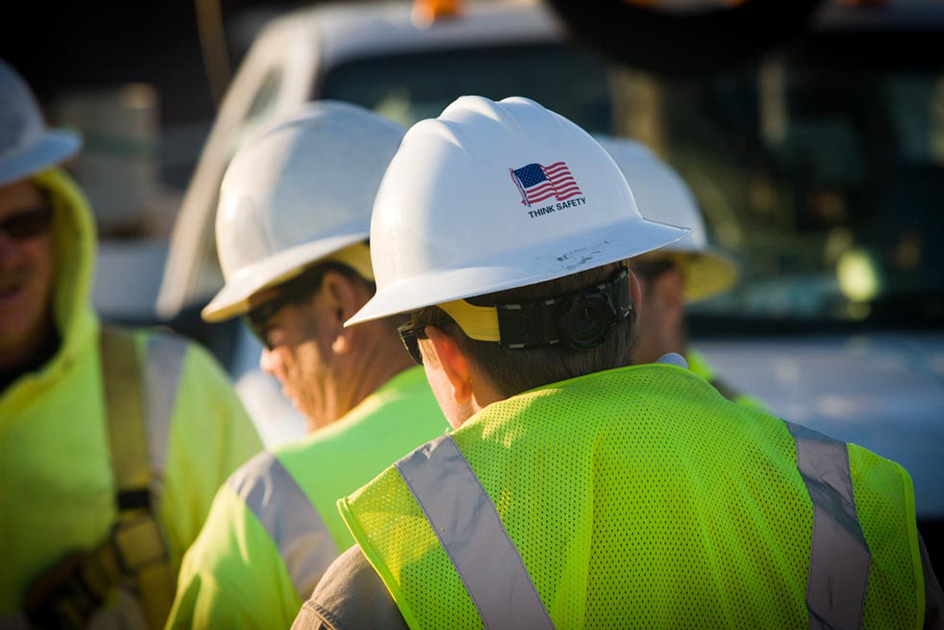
578, 320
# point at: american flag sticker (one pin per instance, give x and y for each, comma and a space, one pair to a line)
538, 183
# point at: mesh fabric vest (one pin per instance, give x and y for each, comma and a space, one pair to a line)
641, 498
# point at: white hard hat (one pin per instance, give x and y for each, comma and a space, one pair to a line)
662, 195
493, 196
298, 192
27, 146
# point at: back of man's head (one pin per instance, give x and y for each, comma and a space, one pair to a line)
513, 371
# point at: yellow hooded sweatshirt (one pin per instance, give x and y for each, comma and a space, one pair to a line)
57, 491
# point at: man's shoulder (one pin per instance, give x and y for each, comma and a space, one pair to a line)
267, 488
263, 473
264, 490
304, 457
398, 418
256, 491
407, 395
350, 596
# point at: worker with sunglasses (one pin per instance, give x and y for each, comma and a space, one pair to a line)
113, 441
292, 228
578, 489
679, 274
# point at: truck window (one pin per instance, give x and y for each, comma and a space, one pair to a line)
826, 181
411, 87
261, 109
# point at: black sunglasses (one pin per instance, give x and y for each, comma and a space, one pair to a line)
27, 223
410, 335
650, 270
258, 318
294, 291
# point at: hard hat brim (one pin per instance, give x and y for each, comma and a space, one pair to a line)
529, 266
708, 273
233, 299
55, 147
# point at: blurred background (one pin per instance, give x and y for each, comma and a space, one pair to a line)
811, 131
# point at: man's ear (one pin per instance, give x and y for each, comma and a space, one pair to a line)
635, 290
341, 297
445, 355
671, 289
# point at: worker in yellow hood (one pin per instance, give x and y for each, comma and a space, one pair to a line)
112, 442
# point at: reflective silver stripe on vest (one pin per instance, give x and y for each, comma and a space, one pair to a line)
292, 522
839, 556
161, 374
471, 532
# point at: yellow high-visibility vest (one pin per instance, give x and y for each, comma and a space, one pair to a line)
641, 498
274, 528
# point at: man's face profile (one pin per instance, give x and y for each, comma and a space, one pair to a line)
26, 268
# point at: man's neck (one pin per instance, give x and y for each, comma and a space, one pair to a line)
365, 374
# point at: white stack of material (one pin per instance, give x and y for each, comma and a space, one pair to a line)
118, 167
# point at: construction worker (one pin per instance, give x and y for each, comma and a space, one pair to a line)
113, 441
679, 274
292, 226
578, 490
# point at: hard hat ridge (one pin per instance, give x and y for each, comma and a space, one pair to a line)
495, 122
531, 116
446, 130
467, 107
451, 125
